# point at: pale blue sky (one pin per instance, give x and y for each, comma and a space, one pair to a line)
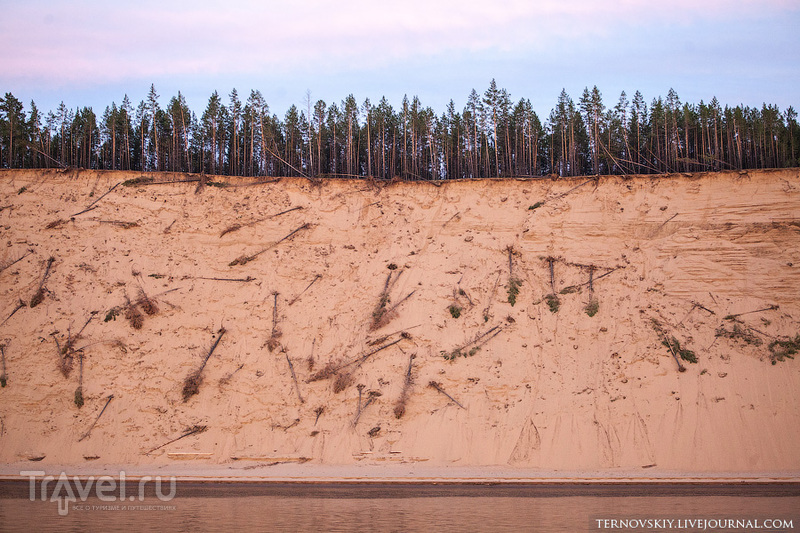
93, 52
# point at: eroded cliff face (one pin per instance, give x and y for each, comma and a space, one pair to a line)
539, 384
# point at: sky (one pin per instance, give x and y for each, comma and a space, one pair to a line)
93, 52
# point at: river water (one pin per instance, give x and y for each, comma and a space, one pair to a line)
435, 508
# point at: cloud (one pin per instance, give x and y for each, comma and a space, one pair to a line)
73, 43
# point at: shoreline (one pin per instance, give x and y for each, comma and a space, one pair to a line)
399, 476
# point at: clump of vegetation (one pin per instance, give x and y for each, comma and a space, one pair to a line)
3, 374
112, 314
79, 397
513, 290
472, 347
380, 310
342, 381
455, 310
739, 333
592, 307
537, 205
38, 296
553, 303
400, 406
22, 190
460, 352
230, 229
514, 282
392, 266
569, 290
134, 316
551, 299
242, 260
779, 349
147, 304
137, 181
675, 346
56, 224
328, 371
383, 314
191, 385
273, 341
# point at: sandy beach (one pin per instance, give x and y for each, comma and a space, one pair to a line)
360, 330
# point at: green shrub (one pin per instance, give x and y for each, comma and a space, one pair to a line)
552, 302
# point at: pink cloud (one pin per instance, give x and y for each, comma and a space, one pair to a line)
73, 42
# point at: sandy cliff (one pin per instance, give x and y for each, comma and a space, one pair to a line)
559, 391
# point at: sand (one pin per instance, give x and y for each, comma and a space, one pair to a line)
547, 395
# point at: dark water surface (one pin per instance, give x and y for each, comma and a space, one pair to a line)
384, 507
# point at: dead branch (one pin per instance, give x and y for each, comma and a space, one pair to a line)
19, 306
38, 297
573, 189
491, 297
458, 213
601, 276
237, 227
400, 407
294, 377
191, 431
438, 387
3, 377
304, 290
770, 308
94, 204
191, 385
272, 342
655, 231
103, 410
243, 260
15, 261
227, 379
371, 397
248, 279
681, 368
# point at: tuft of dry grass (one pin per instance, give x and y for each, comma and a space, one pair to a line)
328, 371
592, 307
56, 224
230, 229
342, 381
134, 316
3, 377
38, 298
400, 406
191, 385
65, 363
147, 304
241, 260
79, 396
